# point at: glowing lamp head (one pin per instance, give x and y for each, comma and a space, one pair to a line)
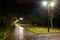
44, 3
52, 4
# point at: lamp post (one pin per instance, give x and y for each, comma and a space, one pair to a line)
52, 4
49, 5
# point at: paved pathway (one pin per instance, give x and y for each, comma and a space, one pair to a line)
54, 36
19, 33
56, 39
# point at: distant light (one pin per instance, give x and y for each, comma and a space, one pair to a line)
52, 4
21, 18
44, 3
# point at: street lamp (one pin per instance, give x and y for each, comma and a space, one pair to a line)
49, 5
44, 3
52, 4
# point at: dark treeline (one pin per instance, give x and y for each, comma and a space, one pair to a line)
32, 12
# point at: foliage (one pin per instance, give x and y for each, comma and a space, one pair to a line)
5, 32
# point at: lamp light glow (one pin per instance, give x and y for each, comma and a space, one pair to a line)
44, 3
52, 4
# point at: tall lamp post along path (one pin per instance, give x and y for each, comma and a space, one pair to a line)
50, 5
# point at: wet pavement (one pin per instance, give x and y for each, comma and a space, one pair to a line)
50, 37
20, 33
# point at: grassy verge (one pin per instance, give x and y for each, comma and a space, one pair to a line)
4, 33
39, 30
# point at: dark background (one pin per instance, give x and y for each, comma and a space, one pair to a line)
31, 10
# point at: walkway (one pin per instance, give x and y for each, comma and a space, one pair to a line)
19, 33
54, 36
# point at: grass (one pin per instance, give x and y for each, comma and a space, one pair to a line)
39, 30
4, 33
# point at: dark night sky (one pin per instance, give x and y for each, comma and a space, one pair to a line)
34, 10
26, 1
30, 7
26, 7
